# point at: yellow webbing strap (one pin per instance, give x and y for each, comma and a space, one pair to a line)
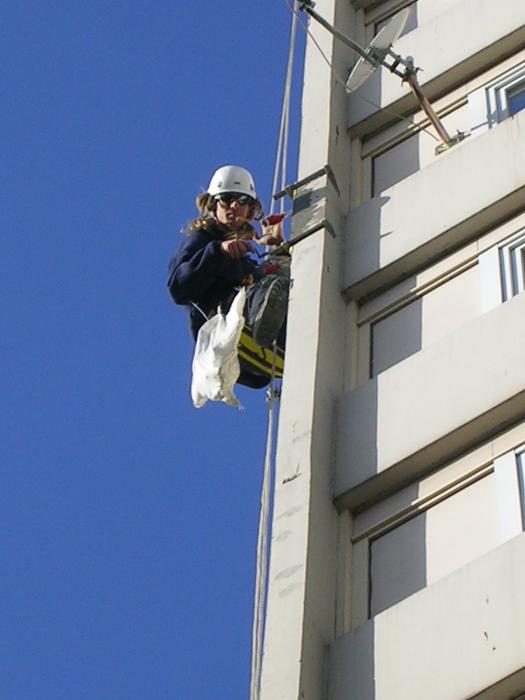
261, 358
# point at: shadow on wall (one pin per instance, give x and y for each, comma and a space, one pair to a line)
363, 241
351, 665
395, 164
398, 563
396, 336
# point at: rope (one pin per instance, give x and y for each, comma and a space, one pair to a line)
262, 551
261, 576
281, 159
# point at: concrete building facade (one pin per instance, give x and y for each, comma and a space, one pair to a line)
397, 569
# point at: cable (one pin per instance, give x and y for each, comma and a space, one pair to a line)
262, 549
281, 162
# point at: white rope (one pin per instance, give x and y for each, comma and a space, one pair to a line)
262, 554
281, 160
261, 577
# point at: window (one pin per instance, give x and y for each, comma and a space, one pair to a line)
501, 98
512, 257
509, 473
502, 271
507, 96
437, 524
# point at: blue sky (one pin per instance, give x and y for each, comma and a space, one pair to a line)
128, 518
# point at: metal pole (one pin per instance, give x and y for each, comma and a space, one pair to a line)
346, 40
411, 79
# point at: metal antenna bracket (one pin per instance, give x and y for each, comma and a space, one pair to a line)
375, 55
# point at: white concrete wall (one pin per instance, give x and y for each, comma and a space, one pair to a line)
439, 401
300, 620
436, 209
428, 10
454, 639
448, 54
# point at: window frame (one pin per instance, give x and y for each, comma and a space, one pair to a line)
512, 257
498, 94
489, 104
502, 270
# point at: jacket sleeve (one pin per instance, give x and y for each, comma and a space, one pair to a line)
195, 267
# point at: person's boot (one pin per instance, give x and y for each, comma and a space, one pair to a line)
269, 309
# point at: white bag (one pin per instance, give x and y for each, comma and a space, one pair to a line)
215, 361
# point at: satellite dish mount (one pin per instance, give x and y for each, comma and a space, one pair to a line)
379, 53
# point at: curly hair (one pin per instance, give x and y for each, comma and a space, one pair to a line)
207, 207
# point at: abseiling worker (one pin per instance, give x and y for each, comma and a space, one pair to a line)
219, 255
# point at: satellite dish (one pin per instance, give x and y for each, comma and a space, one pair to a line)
377, 50
375, 55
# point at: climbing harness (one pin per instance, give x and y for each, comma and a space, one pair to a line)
269, 361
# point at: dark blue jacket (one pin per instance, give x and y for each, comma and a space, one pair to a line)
201, 273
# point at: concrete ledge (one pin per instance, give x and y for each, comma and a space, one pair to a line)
449, 55
432, 406
469, 628
392, 235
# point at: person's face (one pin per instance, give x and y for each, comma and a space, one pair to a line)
232, 209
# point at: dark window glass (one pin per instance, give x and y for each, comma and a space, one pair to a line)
516, 99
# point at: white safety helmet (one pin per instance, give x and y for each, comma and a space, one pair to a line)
232, 178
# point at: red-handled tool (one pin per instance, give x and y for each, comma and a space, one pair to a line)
273, 219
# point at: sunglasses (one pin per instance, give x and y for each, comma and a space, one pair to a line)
229, 197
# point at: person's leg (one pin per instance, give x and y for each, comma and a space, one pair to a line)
266, 306
250, 377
